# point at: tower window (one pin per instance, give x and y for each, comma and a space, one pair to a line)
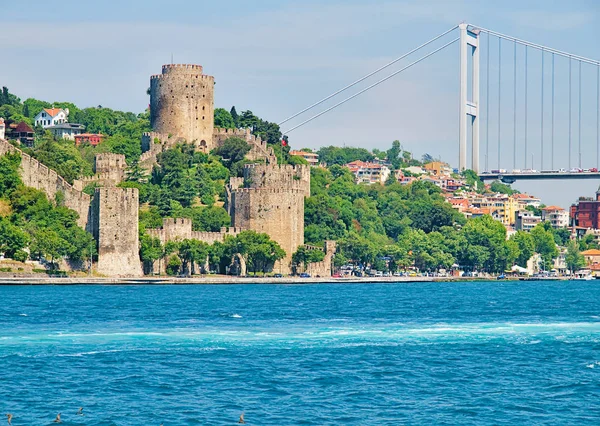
202, 108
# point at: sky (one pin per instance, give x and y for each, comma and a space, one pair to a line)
277, 57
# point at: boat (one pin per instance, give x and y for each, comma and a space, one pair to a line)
583, 275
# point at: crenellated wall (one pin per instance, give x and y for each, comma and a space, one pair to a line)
323, 268
114, 224
109, 170
182, 104
278, 176
259, 149
177, 229
39, 176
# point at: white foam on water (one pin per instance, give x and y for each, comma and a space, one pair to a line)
235, 316
23, 315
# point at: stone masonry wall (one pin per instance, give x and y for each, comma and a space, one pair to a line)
182, 104
109, 170
323, 268
276, 212
278, 177
115, 227
39, 176
174, 229
259, 149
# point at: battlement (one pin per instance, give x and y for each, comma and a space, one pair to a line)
167, 68
180, 228
286, 176
269, 191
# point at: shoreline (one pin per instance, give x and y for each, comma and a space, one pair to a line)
250, 280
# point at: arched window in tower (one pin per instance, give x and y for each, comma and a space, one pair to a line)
202, 143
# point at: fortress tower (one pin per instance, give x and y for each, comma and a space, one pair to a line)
115, 228
270, 199
182, 104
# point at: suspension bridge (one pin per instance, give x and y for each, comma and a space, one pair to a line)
568, 89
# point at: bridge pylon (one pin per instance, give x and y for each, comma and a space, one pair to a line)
469, 108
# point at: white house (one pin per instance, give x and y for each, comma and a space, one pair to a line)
66, 130
2, 128
51, 117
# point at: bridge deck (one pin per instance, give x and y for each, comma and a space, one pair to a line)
512, 177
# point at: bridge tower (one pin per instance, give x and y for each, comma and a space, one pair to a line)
469, 108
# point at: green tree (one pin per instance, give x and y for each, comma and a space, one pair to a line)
224, 119
525, 245
573, 258
258, 250
233, 149
9, 173
12, 239
545, 245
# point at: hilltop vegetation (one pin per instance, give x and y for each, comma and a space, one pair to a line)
384, 226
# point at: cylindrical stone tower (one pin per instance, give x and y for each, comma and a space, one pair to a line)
182, 104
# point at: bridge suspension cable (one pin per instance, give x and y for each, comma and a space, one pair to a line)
539, 46
367, 76
373, 85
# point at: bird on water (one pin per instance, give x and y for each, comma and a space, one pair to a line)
9, 417
241, 420
57, 419
80, 411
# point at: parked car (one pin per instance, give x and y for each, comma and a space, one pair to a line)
336, 276
304, 275
278, 276
594, 170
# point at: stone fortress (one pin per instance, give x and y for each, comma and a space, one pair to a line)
269, 198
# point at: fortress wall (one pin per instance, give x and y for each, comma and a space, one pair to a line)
115, 226
259, 149
276, 212
177, 229
182, 104
323, 268
38, 176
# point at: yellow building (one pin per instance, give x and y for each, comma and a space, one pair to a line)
437, 168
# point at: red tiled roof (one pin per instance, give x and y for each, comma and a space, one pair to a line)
23, 127
591, 252
549, 208
52, 111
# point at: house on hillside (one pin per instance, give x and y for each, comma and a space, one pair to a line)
557, 216
66, 130
91, 138
51, 117
367, 172
2, 128
21, 132
311, 157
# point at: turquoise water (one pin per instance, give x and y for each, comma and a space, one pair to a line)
421, 353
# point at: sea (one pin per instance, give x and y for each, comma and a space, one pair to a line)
458, 353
